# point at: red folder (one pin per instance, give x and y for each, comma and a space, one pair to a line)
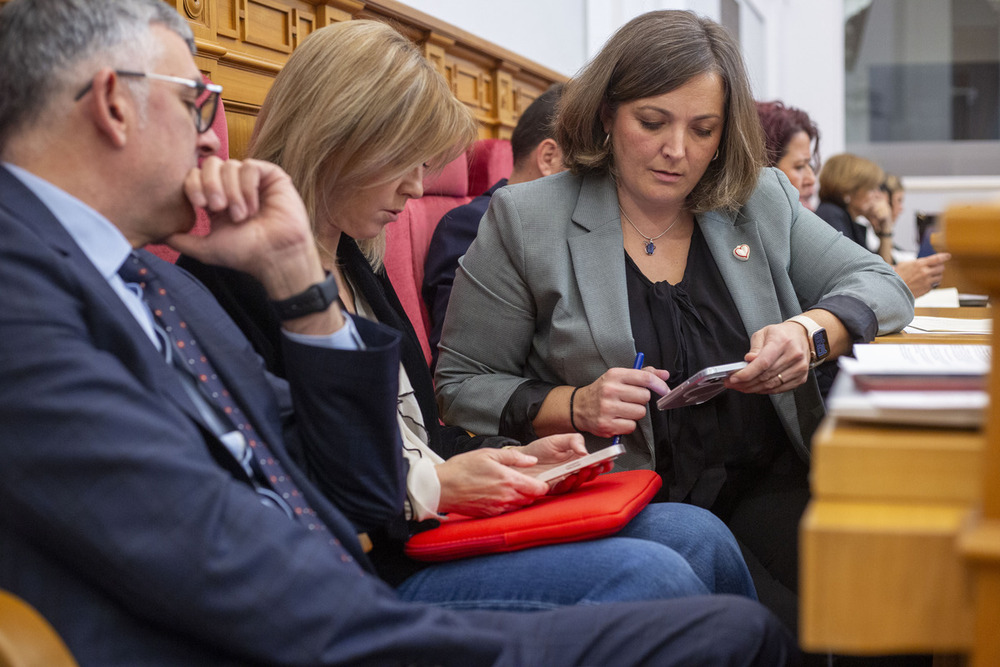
598, 508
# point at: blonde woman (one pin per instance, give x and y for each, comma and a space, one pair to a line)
854, 202
356, 117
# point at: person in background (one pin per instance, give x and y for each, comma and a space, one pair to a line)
853, 202
792, 142
359, 78
925, 272
536, 154
667, 236
893, 186
151, 507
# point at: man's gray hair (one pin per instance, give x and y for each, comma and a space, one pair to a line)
44, 44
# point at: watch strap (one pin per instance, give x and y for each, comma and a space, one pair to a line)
314, 299
813, 329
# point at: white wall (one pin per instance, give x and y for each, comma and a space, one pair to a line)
797, 53
606, 16
550, 32
805, 62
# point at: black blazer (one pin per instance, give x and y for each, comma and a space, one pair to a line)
246, 302
838, 218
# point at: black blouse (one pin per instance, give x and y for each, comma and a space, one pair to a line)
683, 328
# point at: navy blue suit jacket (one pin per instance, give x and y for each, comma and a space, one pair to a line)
451, 238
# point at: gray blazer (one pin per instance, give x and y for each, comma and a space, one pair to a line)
541, 294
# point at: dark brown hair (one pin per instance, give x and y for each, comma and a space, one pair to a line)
654, 54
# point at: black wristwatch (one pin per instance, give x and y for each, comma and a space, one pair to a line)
315, 299
819, 342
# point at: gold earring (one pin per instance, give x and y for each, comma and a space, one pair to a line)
607, 138
716, 157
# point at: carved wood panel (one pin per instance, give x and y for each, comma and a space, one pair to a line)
242, 45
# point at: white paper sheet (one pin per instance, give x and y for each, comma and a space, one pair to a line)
951, 325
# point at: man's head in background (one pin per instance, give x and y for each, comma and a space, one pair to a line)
536, 152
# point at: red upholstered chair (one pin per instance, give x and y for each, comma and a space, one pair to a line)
489, 161
201, 224
408, 238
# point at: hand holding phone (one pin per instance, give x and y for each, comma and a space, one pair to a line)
553, 474
700, 387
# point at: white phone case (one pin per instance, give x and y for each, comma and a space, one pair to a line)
700, 387
565, 469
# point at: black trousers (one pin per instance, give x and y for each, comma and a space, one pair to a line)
763, 509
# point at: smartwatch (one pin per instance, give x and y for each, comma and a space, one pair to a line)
819, 343
314, 299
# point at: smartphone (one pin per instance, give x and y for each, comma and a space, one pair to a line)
557, 472
703, 385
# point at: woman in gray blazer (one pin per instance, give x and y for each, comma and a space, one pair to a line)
667, 236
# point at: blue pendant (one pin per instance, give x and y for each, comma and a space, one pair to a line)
650, 248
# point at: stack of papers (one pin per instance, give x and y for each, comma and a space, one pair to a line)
929, 385
950, 297
949, 325
942, 297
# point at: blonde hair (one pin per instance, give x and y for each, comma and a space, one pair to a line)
654, 54
846, 173
357, 105
892, 184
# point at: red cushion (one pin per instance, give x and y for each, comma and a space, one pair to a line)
409, 237
453, 181
598, 508
201, 223
489, 161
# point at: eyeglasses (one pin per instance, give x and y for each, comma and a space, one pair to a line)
203, 108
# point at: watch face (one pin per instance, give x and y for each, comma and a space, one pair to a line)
821, 344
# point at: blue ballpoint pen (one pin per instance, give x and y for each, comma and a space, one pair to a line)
637, 364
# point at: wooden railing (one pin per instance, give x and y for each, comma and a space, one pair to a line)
242, 44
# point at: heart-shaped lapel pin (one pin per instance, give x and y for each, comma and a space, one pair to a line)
742, 252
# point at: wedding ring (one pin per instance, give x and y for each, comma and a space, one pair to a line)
780, 379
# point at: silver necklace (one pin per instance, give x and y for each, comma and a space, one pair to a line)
650, 246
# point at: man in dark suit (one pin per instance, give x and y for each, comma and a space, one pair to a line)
536, 154
152, 503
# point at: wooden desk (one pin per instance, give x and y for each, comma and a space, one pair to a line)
966, 312
962, 312
880, 572
900, 546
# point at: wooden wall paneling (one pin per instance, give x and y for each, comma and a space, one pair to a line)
303, 23
483, 75
201, 16
477, 83
506, 112
251, 39
242, 45
334, 11
435, 50
228, 22
268, 23
240, 122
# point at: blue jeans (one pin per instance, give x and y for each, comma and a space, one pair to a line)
668, 550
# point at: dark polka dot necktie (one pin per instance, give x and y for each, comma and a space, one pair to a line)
190, 357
